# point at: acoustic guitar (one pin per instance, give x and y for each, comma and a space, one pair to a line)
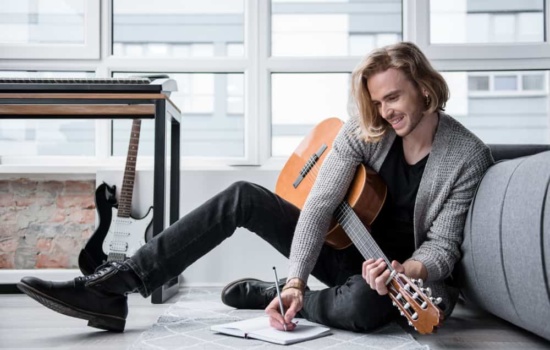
353, 216
118, 235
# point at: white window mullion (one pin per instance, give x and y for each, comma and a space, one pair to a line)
252, 113
106, 28
264, 78
416, 22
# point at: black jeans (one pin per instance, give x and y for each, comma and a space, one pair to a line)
348, 303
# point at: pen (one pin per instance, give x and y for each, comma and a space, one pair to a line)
279, 296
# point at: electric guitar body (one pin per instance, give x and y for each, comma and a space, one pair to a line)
119, 235
91, 256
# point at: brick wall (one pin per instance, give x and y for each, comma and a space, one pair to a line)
44, 223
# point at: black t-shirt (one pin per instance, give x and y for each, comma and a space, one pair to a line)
393, 229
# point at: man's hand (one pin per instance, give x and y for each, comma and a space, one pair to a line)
376, 274
293, 300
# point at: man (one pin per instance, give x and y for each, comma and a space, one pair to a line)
430, 163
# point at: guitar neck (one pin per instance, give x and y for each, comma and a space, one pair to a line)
127, 191
359, 234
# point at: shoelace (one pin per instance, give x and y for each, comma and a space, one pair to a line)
101, 271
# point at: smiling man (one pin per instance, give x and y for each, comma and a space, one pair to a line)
431, 165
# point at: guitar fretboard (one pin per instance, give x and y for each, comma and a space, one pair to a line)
127, 191
359, 234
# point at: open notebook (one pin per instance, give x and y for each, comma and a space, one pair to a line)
259, 328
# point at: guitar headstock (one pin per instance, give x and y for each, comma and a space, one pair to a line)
415, 303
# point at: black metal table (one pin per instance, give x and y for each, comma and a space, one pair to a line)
94, 105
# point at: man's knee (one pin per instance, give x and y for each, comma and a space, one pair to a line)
366, 309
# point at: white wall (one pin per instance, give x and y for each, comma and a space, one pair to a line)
243, 254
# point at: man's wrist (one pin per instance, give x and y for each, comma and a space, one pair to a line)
295, 283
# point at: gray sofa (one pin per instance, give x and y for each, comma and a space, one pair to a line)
505, 267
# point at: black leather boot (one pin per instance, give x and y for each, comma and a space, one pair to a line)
99, 298
250, 293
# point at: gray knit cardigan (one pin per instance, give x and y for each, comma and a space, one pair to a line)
456, 164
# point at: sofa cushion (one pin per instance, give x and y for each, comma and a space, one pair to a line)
506, 250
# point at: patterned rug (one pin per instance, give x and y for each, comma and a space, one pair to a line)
186, 325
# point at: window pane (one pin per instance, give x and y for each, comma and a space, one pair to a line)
52, 137
510, 117
235, 94
212, 108
333, 28
42, 22
177, 28
533, 82
506, 82
478, 83
300, 101
489, 21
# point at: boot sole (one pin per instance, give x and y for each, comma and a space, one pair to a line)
105, 322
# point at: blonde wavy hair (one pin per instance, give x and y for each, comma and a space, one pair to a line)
408, 58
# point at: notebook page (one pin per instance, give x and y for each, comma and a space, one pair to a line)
247, 326
300, 333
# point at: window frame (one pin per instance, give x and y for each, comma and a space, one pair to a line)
89, 50
257, 65
461, 57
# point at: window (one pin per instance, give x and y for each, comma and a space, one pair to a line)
478, 83
508, 115
49, 29
486, 21
532, 82
55, 137
333, 28
255, 76
302, 100
175, 28
506, 82
212, 107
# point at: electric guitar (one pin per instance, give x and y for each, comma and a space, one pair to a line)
352, 218
119, 235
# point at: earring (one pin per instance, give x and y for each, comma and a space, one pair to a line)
428, 100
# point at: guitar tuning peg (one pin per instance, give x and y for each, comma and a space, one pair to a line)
393, 303
410, 323
413, 280
419, 282
427, 291
401, 313
437, 300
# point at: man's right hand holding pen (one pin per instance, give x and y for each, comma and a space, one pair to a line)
292, 297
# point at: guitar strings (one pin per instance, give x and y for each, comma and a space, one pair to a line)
349, 221
116, 256
346, 217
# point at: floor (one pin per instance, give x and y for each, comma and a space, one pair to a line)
25, 324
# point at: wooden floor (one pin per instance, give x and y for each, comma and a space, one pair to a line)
25, 324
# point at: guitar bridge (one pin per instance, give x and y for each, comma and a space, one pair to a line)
309, 165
